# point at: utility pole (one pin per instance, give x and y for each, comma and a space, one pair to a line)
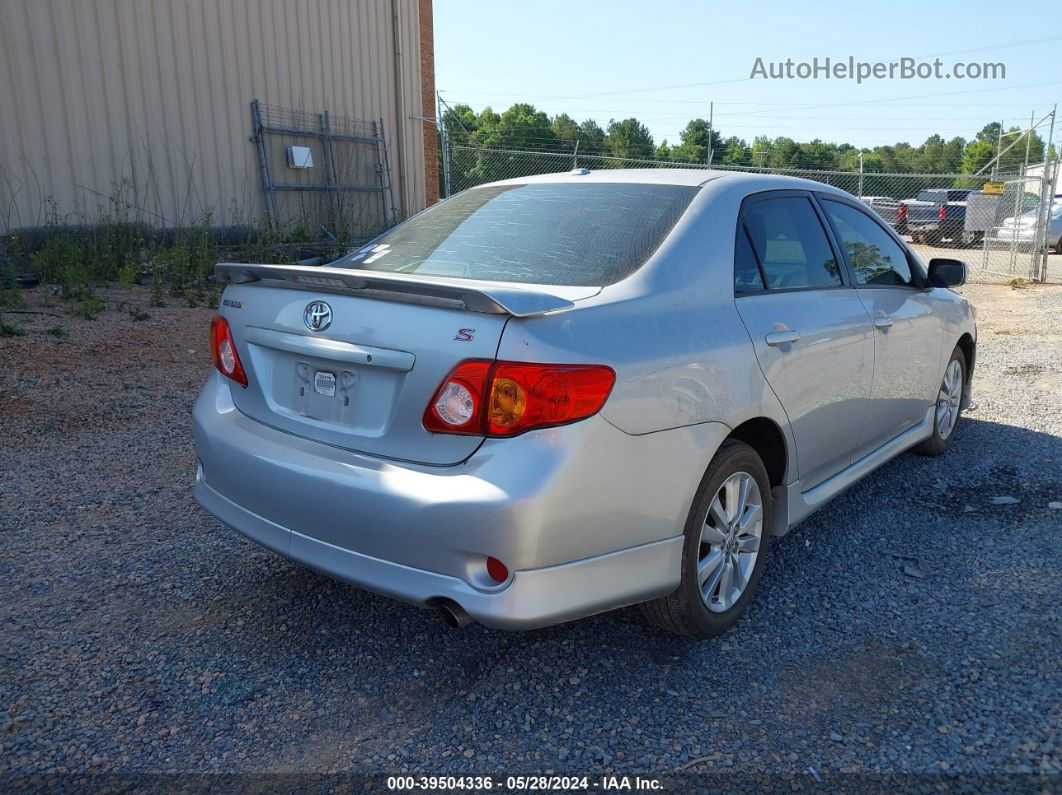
711, 133
999, 147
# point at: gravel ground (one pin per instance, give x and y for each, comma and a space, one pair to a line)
911, 627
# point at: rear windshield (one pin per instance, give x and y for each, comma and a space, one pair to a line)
563, 234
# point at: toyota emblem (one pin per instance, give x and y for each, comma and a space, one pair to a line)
317, 316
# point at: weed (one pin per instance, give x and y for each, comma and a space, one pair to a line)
7, 330
138, 314
88, 307
128, 275
57, 331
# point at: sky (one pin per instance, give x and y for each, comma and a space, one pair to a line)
664, 61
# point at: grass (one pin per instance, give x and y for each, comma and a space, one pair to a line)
88, 307
57, 331
118, 247
7, 330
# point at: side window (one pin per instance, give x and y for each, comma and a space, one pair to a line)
875, 257
791, 244
747, 276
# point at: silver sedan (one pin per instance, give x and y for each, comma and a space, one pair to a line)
553, 396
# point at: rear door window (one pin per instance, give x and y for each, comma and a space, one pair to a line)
591, 234
791, 244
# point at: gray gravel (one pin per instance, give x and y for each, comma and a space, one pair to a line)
912, 627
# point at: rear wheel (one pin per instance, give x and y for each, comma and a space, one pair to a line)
949, 407
726, 540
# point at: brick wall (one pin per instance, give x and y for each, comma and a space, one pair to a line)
427, 99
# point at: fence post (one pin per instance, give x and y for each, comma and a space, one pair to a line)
860, 174
575, 155
1043, 216
263, 162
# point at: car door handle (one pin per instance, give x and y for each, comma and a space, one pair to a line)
782, 337
883, 322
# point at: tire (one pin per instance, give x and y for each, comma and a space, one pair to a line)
947, 400
685, 611
1058, 246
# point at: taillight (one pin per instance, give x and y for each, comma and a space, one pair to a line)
457, 406
510, 398
223, 351
942, 213
901, 212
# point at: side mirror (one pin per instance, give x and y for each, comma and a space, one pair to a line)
945, 272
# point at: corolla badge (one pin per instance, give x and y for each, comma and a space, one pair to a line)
317, 316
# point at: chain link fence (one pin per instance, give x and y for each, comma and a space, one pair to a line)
323, 173
999, 224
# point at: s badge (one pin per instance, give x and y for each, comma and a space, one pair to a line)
465, 334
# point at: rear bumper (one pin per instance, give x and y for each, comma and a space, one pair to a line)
533, 597
574, 512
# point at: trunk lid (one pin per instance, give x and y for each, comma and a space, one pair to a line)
363, 381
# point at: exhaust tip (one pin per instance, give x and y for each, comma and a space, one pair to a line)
453, 614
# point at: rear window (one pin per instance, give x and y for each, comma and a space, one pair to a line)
563, 234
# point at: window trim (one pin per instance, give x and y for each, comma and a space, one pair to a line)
847, 283
919, 279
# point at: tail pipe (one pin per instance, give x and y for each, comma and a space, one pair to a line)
453, 614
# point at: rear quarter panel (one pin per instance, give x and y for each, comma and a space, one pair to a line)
670, 331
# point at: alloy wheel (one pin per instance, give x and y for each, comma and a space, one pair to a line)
730, 541
948, 400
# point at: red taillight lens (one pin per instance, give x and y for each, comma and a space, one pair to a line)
901, 212
510, 398
942, 213
223, 351
526, 396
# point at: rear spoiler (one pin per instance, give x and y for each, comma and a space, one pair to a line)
476, 296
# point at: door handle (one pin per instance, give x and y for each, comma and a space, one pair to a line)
782, 337
883, 322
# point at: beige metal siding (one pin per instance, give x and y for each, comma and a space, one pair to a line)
150, 99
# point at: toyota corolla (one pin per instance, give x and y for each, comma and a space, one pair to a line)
553, 396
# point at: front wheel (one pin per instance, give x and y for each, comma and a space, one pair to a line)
948, 408
726, 539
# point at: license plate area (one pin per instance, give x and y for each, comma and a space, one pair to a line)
324, 383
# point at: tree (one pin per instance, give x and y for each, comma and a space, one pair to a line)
566, 129
694, 147
591, 138
630, 139
663, 152
977, 156
520, 127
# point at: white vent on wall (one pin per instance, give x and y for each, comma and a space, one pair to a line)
300, 157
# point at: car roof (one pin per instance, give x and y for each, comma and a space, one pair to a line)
692, 177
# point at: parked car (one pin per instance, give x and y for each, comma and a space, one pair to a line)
1022, 228
557, 395
935, 215
885, 206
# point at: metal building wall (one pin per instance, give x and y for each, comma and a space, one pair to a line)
154, 96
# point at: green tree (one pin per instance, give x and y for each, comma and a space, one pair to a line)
663, 152
520, 127
630, 139
566, 129
592, 138
694, 143
977, 155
